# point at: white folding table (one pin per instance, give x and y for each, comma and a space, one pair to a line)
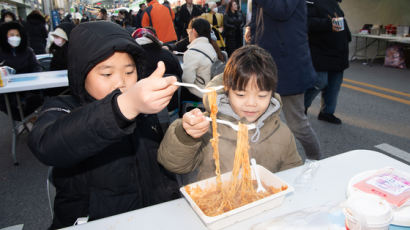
26, 82
376, 38
328, 185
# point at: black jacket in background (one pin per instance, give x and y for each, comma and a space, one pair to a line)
138, 19
172, 66
185, 17
233, 24
103, 163
37, 32
59, 59
329, 50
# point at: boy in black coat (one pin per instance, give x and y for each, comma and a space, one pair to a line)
102, 140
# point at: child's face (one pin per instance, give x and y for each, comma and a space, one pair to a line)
116, 72
250, 103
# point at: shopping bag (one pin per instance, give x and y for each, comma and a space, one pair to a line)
395, 57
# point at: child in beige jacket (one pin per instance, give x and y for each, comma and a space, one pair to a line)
249, 80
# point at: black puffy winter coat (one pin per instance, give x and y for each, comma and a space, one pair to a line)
233, 23
172, 66
103, 165
329, 49
37, 32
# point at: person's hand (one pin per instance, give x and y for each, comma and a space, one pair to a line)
248, 35
194, 123
149, 95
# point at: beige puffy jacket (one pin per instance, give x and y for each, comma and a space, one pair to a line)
197, 67
274, 148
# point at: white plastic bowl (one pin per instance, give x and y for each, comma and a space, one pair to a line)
246, 211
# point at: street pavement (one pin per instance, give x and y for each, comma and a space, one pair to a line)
374, 105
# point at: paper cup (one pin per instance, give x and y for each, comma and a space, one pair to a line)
367, 212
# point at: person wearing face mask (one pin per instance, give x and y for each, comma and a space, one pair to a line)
7, 16
216, 20
59, 48
14, 49
15, 53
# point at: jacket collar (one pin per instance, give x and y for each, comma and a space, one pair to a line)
198, 40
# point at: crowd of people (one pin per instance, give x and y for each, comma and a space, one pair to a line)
123, 139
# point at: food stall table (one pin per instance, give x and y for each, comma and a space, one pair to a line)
26, 82
369, 39
328, 186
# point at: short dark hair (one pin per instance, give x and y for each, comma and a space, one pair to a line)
103, 11
247, 62
201, 26
142, 4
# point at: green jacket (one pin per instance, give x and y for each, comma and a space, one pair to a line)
274, 148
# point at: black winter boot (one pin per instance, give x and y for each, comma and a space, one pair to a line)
329, 118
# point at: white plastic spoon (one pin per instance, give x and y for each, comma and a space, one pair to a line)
232, 125
196, 87
258, 180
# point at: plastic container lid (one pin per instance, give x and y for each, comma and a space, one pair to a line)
400, 216
370, 209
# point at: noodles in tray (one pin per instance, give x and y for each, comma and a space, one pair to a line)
239, 191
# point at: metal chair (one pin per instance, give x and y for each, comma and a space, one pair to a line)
45, 63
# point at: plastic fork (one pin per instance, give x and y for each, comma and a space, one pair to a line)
200, 89
258, 179
232, 125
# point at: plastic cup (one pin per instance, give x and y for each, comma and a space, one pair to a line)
3, 80
340, 22
367, 212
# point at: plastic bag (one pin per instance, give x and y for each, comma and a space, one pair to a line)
395, 57
303, 180
5, 71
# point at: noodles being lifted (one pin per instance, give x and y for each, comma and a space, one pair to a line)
215, 136
239, 191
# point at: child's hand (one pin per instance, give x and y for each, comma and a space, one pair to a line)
194, 123
149, 95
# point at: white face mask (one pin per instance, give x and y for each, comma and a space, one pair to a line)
215, 10
14, 41
59, 41
8, 19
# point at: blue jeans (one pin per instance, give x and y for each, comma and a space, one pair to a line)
329, 83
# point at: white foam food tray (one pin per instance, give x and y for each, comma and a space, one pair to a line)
246, 211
